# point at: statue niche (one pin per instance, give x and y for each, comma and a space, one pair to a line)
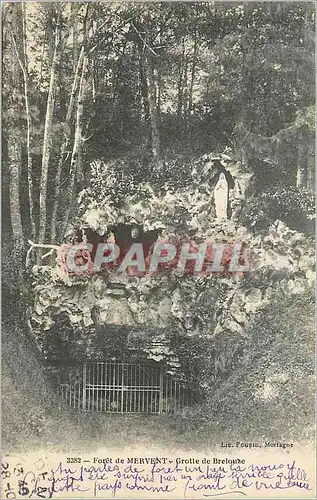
230, 181
222, 197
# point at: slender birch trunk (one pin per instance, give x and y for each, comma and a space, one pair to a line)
64, 146
76, 152
302, 163
48, 138
192, 80
185, 98
67, 129
14, 155
153, 112
311, 168
180, 86
74, 9
143, 82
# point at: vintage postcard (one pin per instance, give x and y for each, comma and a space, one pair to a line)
158, 250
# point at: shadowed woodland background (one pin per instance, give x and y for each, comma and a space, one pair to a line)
151, 87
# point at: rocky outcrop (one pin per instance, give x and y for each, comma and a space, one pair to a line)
155, 316
151, 311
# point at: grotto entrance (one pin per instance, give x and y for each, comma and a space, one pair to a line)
114, 386
123, 235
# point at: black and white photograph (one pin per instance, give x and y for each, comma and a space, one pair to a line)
158, 249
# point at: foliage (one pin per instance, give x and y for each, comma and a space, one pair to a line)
265, 384
295, 207
227, 75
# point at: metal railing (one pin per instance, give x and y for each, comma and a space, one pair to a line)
117, 387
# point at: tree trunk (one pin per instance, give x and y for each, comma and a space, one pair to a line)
22, 60
14, 148
247, 18
302, 162
65, 143
48, 138
180, 89
14, 155
143, 82
192, 80
154, 119
117, 77
76, 153
74, 9
29, 128
159, 94
80, 177
185, 93
66, 128
311, 169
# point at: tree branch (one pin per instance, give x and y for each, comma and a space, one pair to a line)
39, 245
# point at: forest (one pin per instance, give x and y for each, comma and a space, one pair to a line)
105, 102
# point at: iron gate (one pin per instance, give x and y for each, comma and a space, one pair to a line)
118, 387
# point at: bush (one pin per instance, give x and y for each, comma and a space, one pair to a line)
270, 392
295, 207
